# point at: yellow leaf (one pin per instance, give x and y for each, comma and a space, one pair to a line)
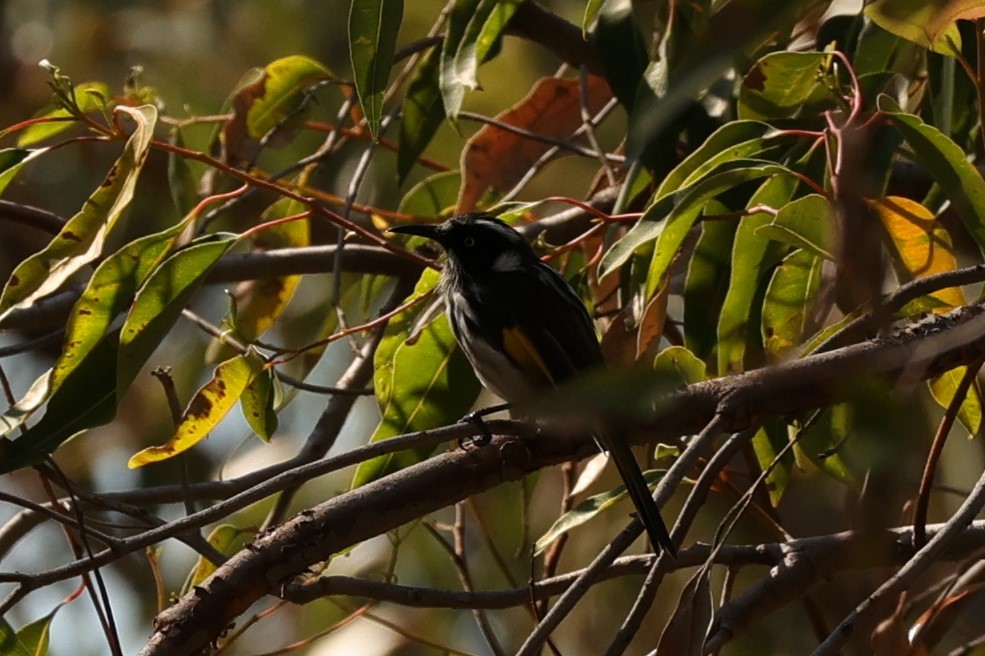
206, 409
921, 245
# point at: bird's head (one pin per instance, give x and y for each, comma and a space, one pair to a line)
477, 244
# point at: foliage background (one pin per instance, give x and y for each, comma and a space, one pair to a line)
194, 54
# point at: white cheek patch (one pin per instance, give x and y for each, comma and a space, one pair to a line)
507, 261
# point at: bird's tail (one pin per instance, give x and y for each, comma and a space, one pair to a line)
646, 507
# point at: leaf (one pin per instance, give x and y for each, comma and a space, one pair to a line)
259, 403
927, 23
767, 444
373, 28
81, 239
706, 283
432, 196
31, 640
89, 96
591, 11
753, 259
921, 245
669, 219
474, 28
785, 85
807, 222
261, 302
419, 385
422, 113
789, 302
274, 101
684, 634
943, 389
206, 409
13, 160
498, 158
947, 164
589, 509
161, 298
227, 540
678, 363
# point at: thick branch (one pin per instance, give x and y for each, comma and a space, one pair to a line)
921, 351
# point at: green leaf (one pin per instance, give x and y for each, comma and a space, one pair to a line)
807, 222
31, 640
943, 389
947, 164
81, 239
670, 218
474, 28
227, 540
436, 195
707, 282
89, 97
12, 160
789, 301
423, 112
161, 298
420, 384
676, 362
767, 444
588, 510
373, 28
753, 258
281, 92
928, 23
785, 85
822, 442
591, 11
259, 403
211, 403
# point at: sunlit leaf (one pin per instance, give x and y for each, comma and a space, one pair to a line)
30, 640
206, 409
786, 85
927, 23
943, 389
921, 245
82, 238
89, 96
767, 444
807, 222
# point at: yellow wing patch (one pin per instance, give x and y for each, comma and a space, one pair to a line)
523, 352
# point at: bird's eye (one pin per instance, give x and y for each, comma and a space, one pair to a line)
469, 242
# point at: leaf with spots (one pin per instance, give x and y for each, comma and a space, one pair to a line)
160, 300
81, 239
206, 409
272, 107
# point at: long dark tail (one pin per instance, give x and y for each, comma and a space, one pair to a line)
646, 507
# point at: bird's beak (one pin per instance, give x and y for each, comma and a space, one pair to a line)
421, 230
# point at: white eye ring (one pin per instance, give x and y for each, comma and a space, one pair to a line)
469, 242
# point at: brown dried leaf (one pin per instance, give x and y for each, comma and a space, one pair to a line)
498, 158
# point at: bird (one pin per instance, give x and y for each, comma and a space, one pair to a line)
523, 328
